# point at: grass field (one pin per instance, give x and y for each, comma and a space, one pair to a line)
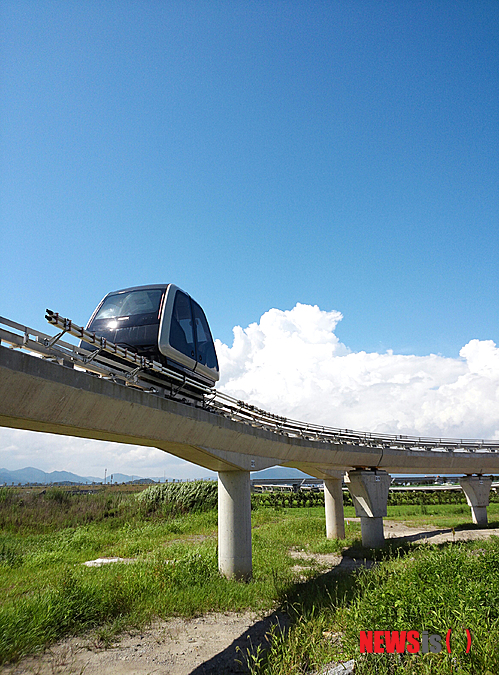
47, 593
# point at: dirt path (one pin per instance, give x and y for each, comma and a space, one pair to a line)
208, 645
434, 535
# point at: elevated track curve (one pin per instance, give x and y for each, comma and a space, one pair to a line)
51, 386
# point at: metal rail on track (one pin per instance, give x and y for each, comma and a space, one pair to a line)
154, 378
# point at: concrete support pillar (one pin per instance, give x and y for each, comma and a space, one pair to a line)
369, 490
234, 524
333, 501
477, 491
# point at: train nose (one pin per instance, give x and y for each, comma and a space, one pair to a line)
109, 334
137, 337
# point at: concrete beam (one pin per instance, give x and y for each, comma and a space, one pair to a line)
234, 524
42, 396
369, 490
477, 491
333, 502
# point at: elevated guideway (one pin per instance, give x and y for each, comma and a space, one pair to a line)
40, 395
51, 386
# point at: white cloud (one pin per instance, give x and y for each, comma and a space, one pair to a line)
293, 364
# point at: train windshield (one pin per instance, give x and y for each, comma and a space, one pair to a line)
131, 303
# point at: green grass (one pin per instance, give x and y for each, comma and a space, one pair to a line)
47, 593
419, 587
438, 515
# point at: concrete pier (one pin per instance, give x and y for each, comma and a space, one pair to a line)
333, 502
234, 524
477, 491
369, 490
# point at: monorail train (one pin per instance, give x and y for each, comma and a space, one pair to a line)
162, 323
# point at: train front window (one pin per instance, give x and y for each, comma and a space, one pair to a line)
133, 303
181, 333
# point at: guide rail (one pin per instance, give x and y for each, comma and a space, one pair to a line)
127, 368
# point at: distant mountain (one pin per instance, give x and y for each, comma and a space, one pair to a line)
32, 475
120, 478
278, 472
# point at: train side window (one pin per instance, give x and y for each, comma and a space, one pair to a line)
181, 333
206, 348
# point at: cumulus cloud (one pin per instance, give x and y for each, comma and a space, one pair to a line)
292, 363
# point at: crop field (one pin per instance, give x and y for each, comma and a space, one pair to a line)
168, 536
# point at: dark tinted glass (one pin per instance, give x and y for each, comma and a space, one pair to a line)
130, 304
181, 334
206, 348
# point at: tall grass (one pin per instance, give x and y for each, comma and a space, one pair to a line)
175, 498
37, 511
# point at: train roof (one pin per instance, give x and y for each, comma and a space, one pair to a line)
149, 287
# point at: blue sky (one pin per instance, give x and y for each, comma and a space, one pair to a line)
258, 155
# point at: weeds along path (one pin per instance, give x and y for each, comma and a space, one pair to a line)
213, 644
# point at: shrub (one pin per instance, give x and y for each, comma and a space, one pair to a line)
175, 498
